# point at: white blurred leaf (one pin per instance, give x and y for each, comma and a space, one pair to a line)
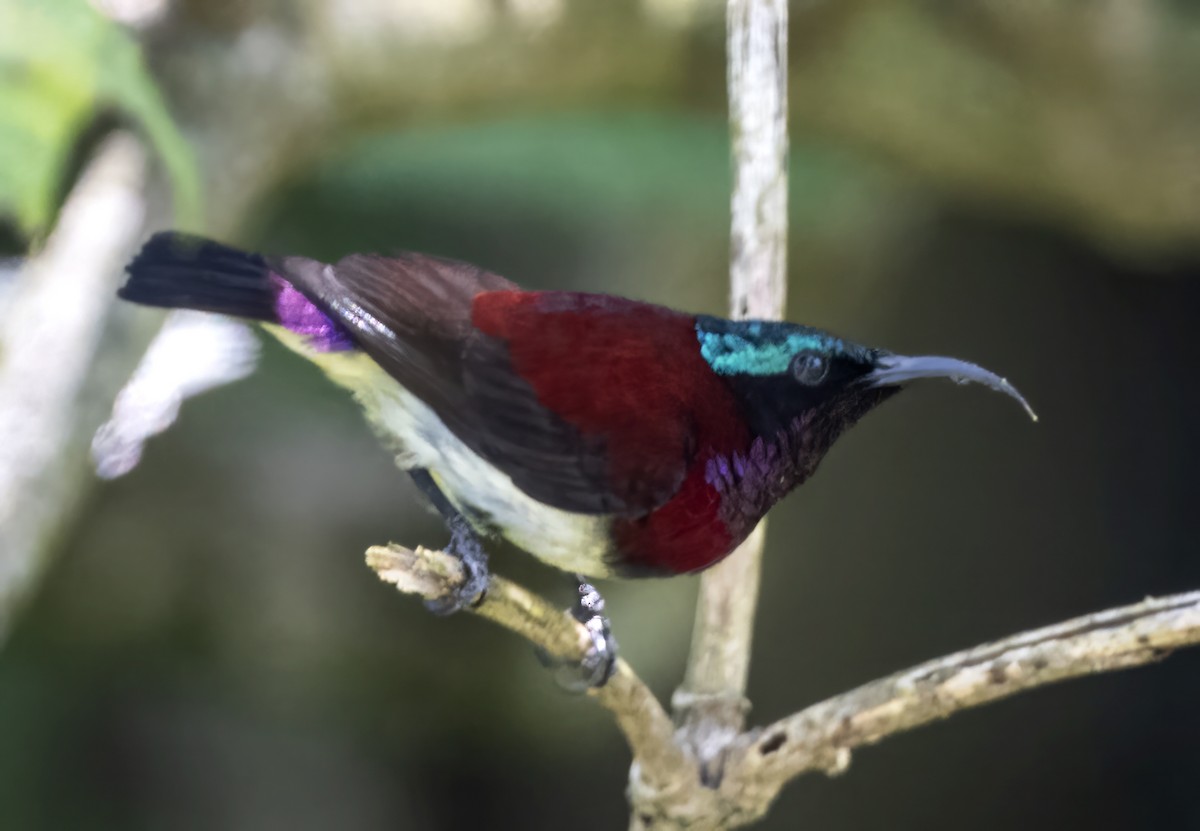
192, 353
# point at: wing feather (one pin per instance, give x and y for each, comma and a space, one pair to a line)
412, 314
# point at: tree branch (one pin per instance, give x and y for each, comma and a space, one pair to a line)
670, 789
433, 575
821, 737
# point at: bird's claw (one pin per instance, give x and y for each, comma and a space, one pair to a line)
599, 661
465, 546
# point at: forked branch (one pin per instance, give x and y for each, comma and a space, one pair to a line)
667, 788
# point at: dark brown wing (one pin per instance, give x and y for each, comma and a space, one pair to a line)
412, 314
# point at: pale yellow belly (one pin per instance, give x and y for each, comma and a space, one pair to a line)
570, 541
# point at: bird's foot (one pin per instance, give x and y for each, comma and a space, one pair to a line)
465, 546
599, 662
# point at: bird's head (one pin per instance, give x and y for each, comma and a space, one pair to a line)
811, 386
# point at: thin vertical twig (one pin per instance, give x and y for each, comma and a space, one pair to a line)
711, 705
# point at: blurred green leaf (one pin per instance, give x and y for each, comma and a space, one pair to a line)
61, 61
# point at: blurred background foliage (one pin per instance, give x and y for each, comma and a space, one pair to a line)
1014, 183
61, 64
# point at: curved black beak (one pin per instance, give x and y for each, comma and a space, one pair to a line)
893, 370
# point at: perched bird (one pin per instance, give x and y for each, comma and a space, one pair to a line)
605, 436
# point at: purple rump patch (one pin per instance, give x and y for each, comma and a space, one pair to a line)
298, 314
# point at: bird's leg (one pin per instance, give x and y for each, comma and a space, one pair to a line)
464, 545
600, 660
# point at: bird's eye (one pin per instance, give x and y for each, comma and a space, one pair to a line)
810, 368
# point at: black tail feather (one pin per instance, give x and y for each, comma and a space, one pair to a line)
181, 271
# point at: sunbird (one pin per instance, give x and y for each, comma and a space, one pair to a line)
607, 437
